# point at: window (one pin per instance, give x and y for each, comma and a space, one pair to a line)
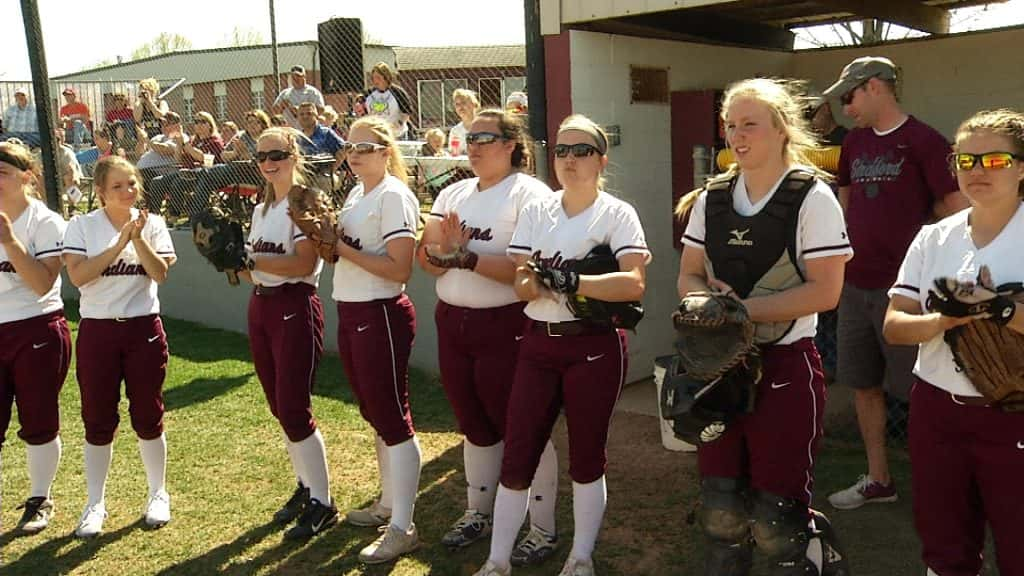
450, 85
221, 103
490, 93
256, 93
430, 100
190, 110
257, 100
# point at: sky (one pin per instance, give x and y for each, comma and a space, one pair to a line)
77, 39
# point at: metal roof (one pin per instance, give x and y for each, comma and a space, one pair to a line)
436, 58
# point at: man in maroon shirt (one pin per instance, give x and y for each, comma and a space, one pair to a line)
893, 178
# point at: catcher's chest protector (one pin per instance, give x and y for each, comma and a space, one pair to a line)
756, 255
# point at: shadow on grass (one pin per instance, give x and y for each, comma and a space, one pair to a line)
61, 555
219, 559
201, 390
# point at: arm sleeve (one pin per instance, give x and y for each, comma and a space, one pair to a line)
404, 105
74, 238
908, 280
628, 235
694, 234
822, 227
319, 99
49, 237
159, 237
522, 238
281, 96
440, 206
398, 217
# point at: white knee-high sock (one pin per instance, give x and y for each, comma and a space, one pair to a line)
588, 503
97, 466
384, 469
293, 456
509, 513
313, 457
404, 459
483, 466
544, 491
154, 460
43, 460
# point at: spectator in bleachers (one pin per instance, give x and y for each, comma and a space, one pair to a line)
388, 100
120, 109
205, 141
433, 176
434, 145
278, 120
319, 139
162, 158
20, 120
150, 109
329, 118
289, 99
105, 143
244, 145
67, 164
129, 139
466, 104
228, 132
517, 103
74, 115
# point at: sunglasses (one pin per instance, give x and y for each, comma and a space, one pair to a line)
581, 150
275, 155
483, 137
989, 161
845, 99
363, 147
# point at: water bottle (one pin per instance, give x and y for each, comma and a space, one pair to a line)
455, 144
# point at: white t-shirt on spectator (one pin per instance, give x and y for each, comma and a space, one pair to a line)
459, 132
296, 96
491, 215
369, 220
41, 231
947, 249
821, 232
274, 234
124, 289
546, 233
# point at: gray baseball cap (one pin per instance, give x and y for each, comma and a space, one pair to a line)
859, 71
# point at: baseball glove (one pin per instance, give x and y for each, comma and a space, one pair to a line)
311, 212
713, 334
989, 354
220, 240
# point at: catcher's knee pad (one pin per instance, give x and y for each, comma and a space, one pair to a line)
726, 524
781, 531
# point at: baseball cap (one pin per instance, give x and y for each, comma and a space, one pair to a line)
69, 90
297, 69
860, 70
516, 100
21, 91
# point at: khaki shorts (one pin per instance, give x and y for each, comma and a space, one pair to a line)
865, 360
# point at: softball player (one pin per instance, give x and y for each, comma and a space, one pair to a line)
480, 322
377, 324
737, 238
35, 344
116, 256
565, 362
966, 457
286, 330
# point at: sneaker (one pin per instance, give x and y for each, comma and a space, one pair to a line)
91, 524
158, 509
492, 569
471, 527
315, 518
577, 567
373, 516
392, 543
864, 491
534, 548
38, 511
293, 508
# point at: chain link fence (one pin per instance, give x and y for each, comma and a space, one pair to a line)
189, 118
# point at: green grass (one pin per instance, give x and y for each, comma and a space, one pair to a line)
228, 472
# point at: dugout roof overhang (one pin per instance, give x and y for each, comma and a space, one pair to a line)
754, 23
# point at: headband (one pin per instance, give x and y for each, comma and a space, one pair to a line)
592, 131
8, 158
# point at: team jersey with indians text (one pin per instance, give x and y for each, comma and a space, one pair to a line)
41, 231
274, 234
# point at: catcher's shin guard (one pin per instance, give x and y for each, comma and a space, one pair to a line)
834, 561
780, 529
726, 525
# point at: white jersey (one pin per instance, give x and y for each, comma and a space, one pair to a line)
946, 249
297, 96
546, 234
123, 290
491, 217
41, 232
369, 220
274, 234
821, 232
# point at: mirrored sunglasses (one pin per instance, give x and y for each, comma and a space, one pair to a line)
483, 137
363, 147
988, 160
581, 150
